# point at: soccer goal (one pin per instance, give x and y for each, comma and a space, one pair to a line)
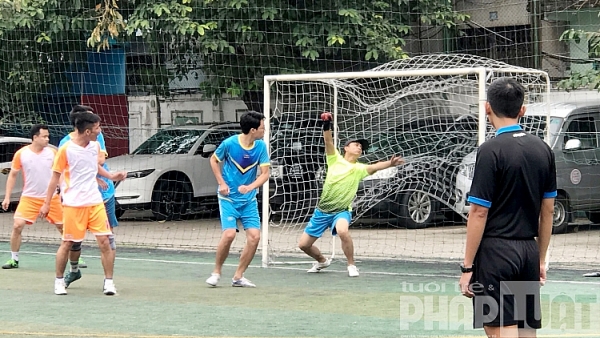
429, 109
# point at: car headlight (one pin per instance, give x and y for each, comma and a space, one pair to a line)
139, 173
296, 170
383, 174
276, 170
467, 170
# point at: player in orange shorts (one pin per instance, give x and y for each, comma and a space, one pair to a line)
83, 207
35, 163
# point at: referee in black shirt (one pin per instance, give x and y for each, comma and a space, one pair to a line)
512, 201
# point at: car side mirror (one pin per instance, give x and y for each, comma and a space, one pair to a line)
208, 149
573, 144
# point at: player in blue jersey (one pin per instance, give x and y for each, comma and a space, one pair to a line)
245, 169
107, 189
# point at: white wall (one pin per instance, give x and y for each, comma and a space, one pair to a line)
508, 13
143, 119
575, 95
144, 113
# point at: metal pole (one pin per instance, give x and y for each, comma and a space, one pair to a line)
265, 192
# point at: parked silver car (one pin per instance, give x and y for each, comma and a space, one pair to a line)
170, 172
573, 136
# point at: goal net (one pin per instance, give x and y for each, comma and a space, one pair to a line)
428, 109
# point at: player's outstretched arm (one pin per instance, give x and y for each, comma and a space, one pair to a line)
116, 176
10, 184
260, 180
475, 227
52, 186
216, 169
327, 134
544, 234
394, 161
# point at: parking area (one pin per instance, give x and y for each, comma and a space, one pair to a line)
576, 250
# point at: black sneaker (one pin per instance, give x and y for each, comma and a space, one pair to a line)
70, 277
11, 264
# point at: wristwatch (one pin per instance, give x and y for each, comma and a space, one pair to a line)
465, 270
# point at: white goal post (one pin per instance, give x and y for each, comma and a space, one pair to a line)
371, 103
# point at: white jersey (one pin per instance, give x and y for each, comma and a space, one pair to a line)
36, 170
79, 166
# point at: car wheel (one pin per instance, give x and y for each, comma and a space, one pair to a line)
561, 216
417, 209
171, 199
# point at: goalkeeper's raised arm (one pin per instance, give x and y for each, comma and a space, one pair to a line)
327, 135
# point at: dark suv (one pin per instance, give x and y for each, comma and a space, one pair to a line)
297, 152
415, 193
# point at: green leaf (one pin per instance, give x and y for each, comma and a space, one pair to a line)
350, 12
333, 39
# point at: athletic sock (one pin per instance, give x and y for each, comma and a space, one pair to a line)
74, 266
15, 255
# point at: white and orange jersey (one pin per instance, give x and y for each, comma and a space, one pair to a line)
79, 167
36, 169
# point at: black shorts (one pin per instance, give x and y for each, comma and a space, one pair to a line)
506, 284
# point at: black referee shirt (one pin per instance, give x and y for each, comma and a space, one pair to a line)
513, 173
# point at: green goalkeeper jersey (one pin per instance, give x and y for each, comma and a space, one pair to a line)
341, 184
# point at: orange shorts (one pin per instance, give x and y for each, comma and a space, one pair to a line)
29, 209
79, 219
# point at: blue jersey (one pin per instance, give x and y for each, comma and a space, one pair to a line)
110, 191
240, 166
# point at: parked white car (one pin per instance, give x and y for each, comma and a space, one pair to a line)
170, 172
8, 148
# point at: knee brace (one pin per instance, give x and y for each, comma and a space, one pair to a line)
76, 246
112, 243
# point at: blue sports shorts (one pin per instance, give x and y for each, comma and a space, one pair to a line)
110, 206
321, 221
246, 212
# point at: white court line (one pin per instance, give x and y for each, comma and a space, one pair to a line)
295, 269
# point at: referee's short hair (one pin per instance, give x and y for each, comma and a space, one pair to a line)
505, 96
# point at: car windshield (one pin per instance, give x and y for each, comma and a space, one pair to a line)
442, 137
555, 124
170, 141
536, 125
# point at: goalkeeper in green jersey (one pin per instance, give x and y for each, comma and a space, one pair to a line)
333, 211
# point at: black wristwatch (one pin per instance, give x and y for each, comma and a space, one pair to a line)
465, 270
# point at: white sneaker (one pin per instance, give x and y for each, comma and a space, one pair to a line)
59, 287
213, 280
242, 282
109, 287
319, 266
352, 271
